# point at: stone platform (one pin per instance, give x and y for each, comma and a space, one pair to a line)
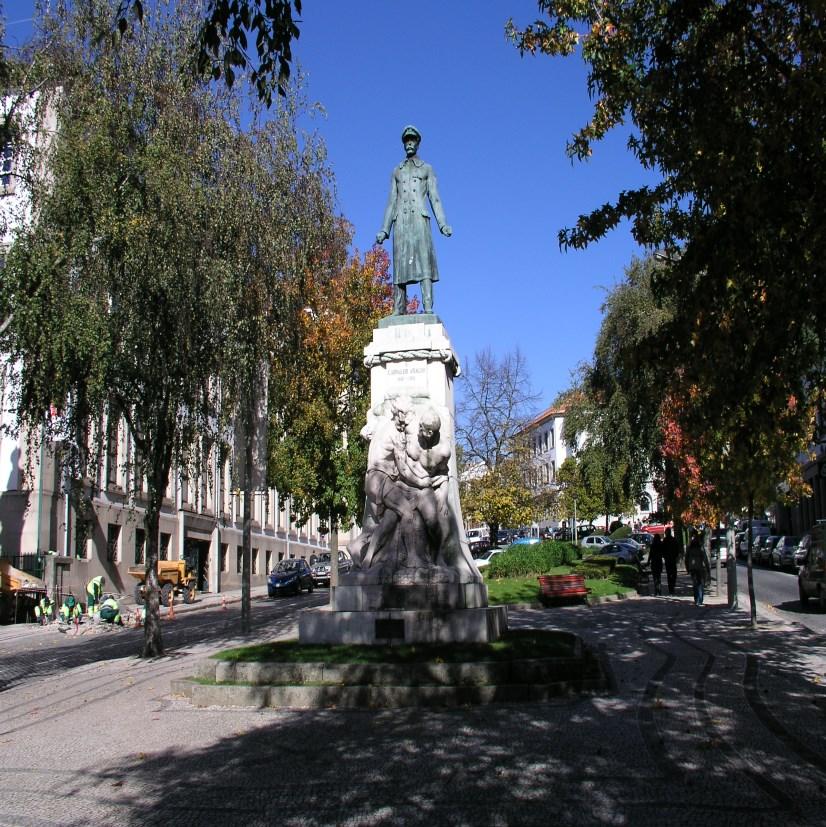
385, 685
476, 625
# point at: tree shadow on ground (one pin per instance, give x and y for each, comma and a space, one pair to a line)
687, 738
57, 652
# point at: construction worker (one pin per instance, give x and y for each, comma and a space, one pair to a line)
94, 590
44, 610
69, 609
110, 611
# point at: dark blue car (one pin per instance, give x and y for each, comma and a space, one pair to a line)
289, 577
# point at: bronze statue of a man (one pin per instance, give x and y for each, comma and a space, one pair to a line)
413, 181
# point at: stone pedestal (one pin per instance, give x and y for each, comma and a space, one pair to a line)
414, 589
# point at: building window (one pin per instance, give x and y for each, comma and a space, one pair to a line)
112, 540
255, 561
645, 503
224, 557
239, 559
163, 551
268, 558
83, 540
140, 546
6, 161
112, 454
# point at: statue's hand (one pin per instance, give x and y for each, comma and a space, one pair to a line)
380, 236
438, 480
447, 230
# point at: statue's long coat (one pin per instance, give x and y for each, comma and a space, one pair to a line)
412, 183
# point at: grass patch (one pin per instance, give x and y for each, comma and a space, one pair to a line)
516, 644
504, 590
526, 589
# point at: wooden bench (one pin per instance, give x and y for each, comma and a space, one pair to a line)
556, 586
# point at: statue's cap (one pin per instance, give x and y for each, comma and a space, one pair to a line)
411, 130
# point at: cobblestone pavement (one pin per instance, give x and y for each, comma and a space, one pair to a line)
709, 722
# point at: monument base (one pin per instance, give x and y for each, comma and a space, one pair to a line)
395, 626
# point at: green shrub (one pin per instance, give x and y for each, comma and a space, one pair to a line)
521, 561
626, 575
592, 572
622, 532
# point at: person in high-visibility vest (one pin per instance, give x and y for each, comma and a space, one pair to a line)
110, 611
94, 590
69, 609
44, 610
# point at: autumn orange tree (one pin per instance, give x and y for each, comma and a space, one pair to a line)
319, 404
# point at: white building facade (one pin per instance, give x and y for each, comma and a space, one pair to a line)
549, 450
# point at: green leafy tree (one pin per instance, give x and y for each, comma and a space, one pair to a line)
280, 235
222, 40
119, 286
499, 498
725, 103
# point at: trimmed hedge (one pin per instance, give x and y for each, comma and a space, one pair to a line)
522, 561
592, 572
626, 575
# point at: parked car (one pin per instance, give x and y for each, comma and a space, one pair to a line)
487, 556
643, 538
802, 549
322, 569
594, 542
782, 556
290, 577
477, 541
525, 541
811, 577
621, 550
763, 555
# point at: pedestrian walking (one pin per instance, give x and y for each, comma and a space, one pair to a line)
655, 563
698, 566
671, 552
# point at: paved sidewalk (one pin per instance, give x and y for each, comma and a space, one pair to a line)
710, 722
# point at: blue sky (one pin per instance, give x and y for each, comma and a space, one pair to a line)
494, 128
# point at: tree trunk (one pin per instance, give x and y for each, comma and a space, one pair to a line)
152, 635
493, 528
731, 564
750, 570
246, 549
333, 560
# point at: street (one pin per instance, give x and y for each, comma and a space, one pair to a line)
777, 591
708, 721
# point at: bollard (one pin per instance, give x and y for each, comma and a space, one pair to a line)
171, 615
224, 602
